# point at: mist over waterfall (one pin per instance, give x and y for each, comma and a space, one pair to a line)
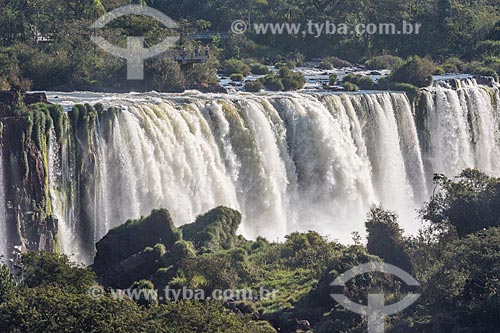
288, 161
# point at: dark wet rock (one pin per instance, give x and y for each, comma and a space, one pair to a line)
216, 89
133, 237
132, 269
485, 80
12, 97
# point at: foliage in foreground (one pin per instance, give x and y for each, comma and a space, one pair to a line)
458, 272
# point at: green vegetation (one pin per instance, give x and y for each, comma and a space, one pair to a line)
384, 62
469, 203
235, 66
286, 80
53, 297
334, 62
236, 77
333, 79
456, 259
348, 86
47, 45
259, 69
361, 81
214, 230
254, 86
416, 71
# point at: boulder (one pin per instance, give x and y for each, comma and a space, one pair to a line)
485, 80
32, 98
214, 230
133, 237
11, 97
132, 269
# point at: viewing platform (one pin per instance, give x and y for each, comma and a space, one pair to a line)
207, 35
188, 59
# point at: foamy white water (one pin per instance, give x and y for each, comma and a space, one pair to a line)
288, 162
3, 211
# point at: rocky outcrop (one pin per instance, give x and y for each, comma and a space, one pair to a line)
134, 268
152, 248
485, 80
130, 239
24, 139
12, 98
213, 231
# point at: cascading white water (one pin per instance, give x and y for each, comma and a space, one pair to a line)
3, 212
288, 161
61, 199
462, 129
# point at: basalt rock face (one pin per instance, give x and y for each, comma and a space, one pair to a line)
135, 268
29, 223
115, 250
12, 98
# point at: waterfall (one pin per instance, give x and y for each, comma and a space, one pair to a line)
461, 129
3, 211
287, 161
61, 197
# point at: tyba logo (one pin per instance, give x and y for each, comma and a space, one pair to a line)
376, 310
135, 53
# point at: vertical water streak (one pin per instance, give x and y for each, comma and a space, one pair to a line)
288, 161
3, 210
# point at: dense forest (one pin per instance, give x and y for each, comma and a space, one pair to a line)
455, 258
46, 44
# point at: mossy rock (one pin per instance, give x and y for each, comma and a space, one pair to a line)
134, 236
214, 230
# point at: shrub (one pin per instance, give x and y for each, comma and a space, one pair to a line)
291, 80
453, 65
296, 58
362, 81
235, 66
274, 84
348, 86
166, 75
439, 71
254, 86
411, 90
236, 77
417, 71
201, 74
352, 78
385, 238
384, 62
295, 81
289, 64
259, 69
384, 83
365, 83
337, 62
485, 71
325, 65
333, 79
488, 48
